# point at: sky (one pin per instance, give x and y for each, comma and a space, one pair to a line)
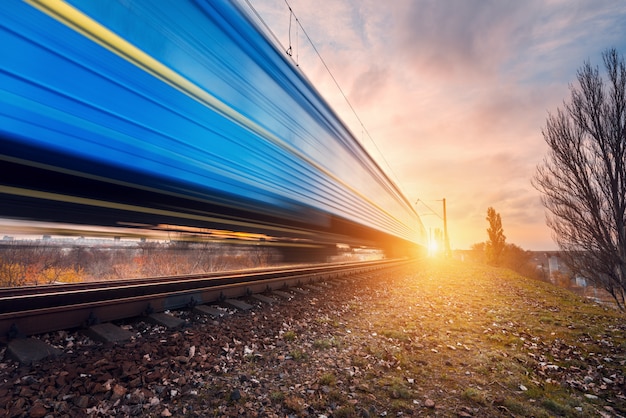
452, 94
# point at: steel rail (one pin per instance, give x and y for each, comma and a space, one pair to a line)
6, 292
37, 310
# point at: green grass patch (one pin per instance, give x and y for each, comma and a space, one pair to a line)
475, 395
326, 343
289, 336
298, 354
327, 379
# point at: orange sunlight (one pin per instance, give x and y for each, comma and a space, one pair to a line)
433, 247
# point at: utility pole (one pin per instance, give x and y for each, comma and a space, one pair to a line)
446, 240
445, 228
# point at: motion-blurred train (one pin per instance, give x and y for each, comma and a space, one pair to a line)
146, 113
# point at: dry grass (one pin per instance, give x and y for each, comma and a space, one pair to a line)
460, 339
433, 339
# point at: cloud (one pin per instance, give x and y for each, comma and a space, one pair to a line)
462, 41
458, 39
368, 85
455, 93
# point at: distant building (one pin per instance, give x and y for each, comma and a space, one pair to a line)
553, 264
581, 281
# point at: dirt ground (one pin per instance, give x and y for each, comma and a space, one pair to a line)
437, 338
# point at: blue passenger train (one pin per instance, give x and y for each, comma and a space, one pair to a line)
181, 112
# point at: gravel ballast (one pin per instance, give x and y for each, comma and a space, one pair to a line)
428, 340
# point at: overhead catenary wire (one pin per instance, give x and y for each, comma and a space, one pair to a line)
343, 94
289, 51
429, 208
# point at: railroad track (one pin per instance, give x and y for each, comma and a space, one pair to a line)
35, 310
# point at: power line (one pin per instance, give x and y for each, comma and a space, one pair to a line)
429, 208
340, 89
289, 52
445, 222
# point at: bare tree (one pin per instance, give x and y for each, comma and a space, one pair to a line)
496, 243
583, 177
13, 270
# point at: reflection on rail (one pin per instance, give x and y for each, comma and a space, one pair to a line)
28, 311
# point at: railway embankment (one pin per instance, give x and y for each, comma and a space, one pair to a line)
434, 339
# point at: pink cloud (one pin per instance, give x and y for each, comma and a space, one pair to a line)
455, 93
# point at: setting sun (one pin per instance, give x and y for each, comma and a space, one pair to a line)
433, 247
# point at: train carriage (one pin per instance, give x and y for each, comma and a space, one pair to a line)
184, 113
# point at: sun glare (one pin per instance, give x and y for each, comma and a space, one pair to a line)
433, 248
